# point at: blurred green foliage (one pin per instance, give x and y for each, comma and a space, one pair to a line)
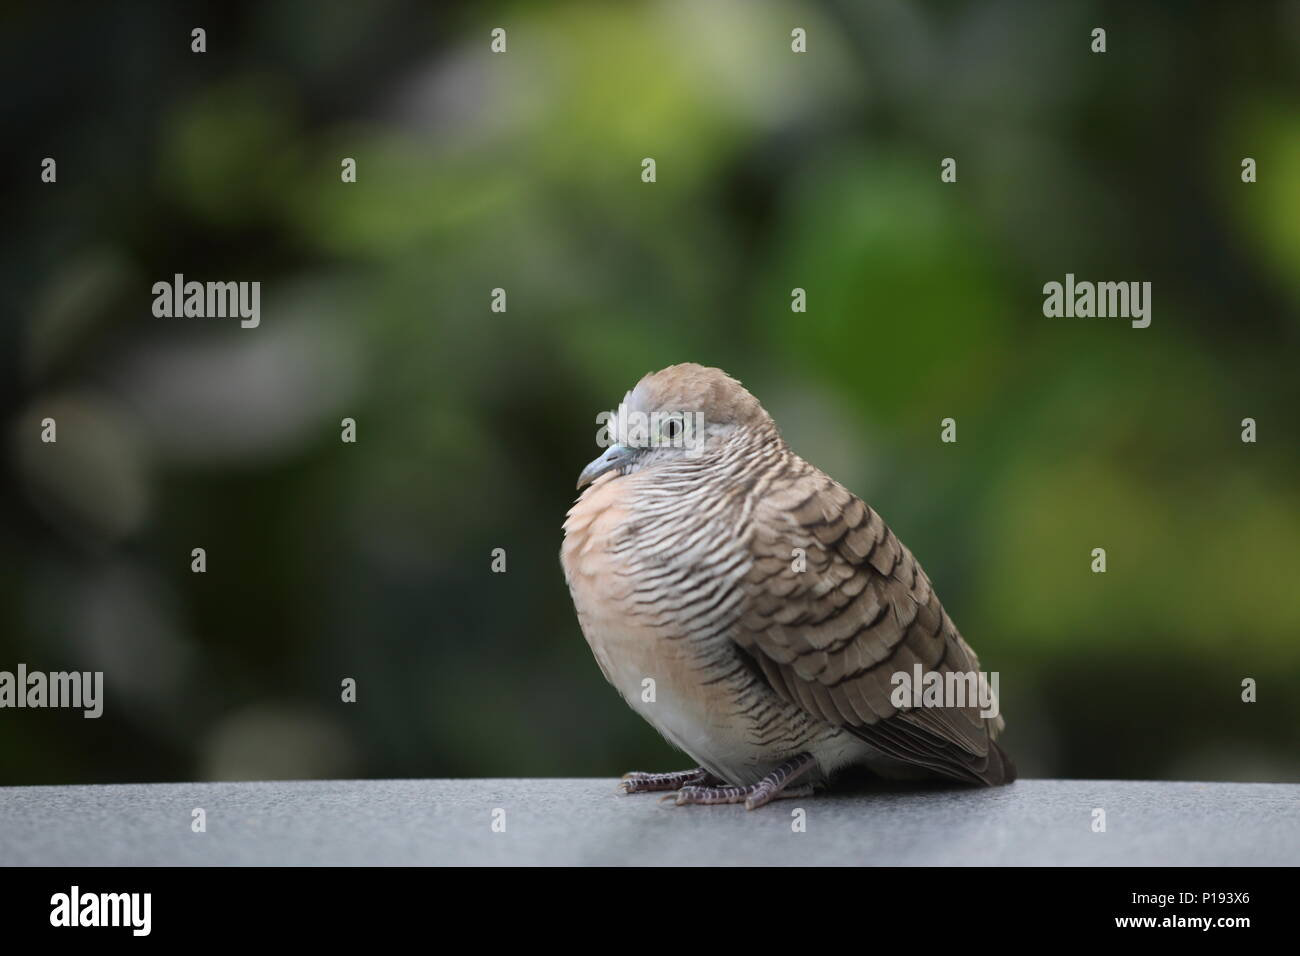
522, 171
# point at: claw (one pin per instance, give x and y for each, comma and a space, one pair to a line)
772, 787
636, 782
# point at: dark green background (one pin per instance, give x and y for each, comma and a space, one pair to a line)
522, 171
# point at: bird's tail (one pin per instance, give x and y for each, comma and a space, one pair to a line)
1000, 769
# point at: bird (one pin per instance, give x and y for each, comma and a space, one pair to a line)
757, 613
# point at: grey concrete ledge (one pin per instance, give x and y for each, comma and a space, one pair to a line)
553, 821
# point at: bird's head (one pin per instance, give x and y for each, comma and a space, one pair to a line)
683, 413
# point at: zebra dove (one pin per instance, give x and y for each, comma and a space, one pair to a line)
757, 613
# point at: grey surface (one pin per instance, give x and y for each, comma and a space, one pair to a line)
587, 822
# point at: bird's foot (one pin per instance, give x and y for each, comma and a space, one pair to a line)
775, 786
636, 782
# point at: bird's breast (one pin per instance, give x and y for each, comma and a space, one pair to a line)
656, 595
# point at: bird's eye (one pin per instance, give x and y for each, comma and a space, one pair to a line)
672, 428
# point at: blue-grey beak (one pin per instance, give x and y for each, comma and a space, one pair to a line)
615, 457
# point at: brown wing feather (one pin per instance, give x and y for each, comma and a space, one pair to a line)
831, 637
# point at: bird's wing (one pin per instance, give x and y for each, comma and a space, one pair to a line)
831, 637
